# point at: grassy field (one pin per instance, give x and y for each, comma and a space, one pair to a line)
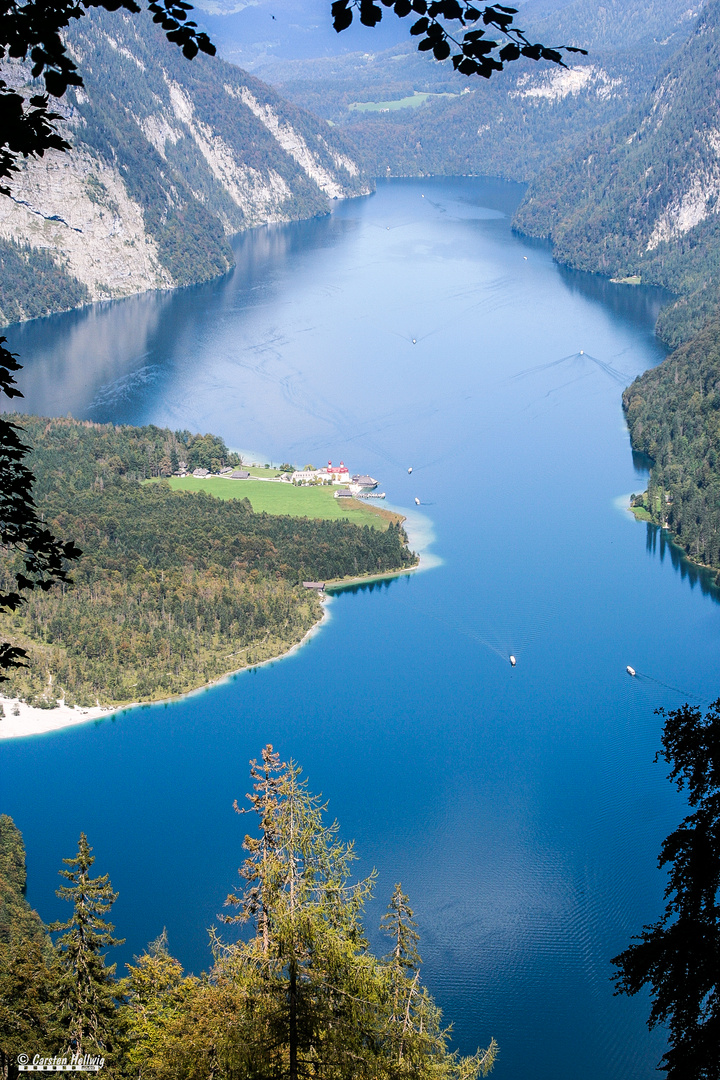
313, 502
411, 102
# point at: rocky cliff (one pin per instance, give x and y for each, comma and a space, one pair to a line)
641, 199
169, 157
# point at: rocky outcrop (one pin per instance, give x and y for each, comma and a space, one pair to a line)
641, 199
169, 157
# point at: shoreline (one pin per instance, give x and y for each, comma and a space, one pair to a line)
32, 721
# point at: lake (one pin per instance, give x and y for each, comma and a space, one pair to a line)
519, 807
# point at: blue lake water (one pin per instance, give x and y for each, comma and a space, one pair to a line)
520, 808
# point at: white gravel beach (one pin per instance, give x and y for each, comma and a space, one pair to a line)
21, 719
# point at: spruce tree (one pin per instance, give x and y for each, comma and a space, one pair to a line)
87, 984
317, 1003
29, 1006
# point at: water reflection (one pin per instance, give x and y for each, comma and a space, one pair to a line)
104, 362
364, 586
659, 543
640, 307
641, 463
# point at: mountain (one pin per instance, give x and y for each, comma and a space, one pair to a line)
640, 199
169, 158
409, 115
641, 202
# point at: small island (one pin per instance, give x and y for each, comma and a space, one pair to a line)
184, 579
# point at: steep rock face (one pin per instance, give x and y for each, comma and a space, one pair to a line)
168, 158
409, 115
643, 196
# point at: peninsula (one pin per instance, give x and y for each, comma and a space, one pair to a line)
175, 588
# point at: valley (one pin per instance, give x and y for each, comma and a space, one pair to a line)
500, 298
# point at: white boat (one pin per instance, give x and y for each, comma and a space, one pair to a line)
513, 661
631, 670
410, 470
417, 502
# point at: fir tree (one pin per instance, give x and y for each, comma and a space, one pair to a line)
29, 1006
87, 985
404, 959
319, 1003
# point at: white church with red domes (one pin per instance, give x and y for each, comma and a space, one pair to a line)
337, 474
333, 474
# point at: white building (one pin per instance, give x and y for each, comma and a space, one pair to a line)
333, 474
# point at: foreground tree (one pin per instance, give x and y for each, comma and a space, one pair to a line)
40, 559
29, 1002
87, 986
320, 1002
458, 30
678, 957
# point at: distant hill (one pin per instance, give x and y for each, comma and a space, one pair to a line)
640, 201
641, 197
409, 115
169, 157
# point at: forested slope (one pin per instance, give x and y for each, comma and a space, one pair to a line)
673, 412
641, 197
513, 125
641, 201
173, 589
18, 921
168, 158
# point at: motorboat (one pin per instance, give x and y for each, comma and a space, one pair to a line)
631, 670
513, 661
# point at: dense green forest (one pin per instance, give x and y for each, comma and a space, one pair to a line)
513, 125
174, 589
33, 283
673, 412
639, 202
637, 199
297, 994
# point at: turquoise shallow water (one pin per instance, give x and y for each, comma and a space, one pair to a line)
520, 808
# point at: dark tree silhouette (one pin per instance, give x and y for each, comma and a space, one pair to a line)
31, 32
678, 957
457, 30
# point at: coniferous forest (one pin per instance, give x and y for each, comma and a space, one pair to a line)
293, 988
673, 412
174, 589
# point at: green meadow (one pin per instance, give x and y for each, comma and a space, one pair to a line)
311, 502
410, 102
